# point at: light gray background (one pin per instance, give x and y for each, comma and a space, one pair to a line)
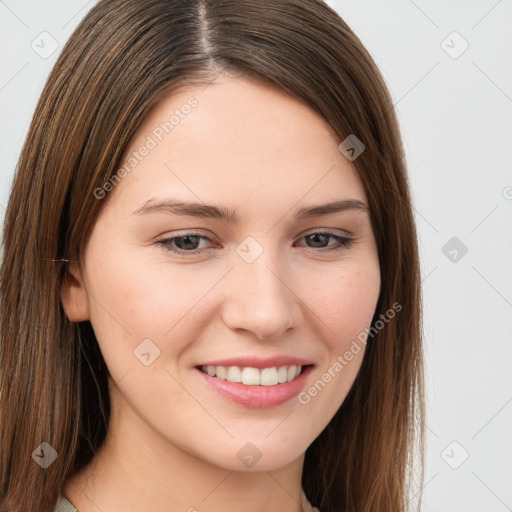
455, 111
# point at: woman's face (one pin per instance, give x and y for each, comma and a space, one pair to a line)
244, 150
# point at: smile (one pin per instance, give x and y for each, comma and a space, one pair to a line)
249, 376
256, 388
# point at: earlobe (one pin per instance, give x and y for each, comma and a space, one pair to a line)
74, 296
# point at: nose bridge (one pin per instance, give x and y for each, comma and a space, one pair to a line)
260, 299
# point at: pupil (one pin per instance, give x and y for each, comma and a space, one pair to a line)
317, 236
179, 242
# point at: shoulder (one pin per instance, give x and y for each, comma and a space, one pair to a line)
63, 505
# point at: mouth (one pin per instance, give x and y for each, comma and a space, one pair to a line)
250, 376
255, 388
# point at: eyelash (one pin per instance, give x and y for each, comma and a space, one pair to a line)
343, 242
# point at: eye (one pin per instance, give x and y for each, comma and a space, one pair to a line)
320, 237
188, 244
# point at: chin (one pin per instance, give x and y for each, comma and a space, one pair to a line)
255, 455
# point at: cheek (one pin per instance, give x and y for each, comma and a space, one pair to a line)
347, 301
134, 300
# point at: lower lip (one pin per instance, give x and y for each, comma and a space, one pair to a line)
257, 397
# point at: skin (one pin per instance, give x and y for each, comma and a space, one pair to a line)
172, 442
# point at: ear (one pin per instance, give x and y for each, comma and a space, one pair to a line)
74, 296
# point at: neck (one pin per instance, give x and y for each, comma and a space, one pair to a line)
137, 469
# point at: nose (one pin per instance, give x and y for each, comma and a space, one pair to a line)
260, 299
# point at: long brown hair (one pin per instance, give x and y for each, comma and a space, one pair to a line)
124, 56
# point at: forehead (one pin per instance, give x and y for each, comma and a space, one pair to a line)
236, 140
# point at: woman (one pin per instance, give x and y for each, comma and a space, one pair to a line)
210, 286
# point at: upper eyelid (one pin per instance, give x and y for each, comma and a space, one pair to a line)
193, 232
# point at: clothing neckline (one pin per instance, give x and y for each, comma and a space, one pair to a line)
64, 505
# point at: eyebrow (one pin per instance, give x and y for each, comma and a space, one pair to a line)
174, 206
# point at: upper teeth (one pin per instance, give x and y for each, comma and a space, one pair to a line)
254, 376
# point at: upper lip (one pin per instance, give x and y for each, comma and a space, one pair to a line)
258, 362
